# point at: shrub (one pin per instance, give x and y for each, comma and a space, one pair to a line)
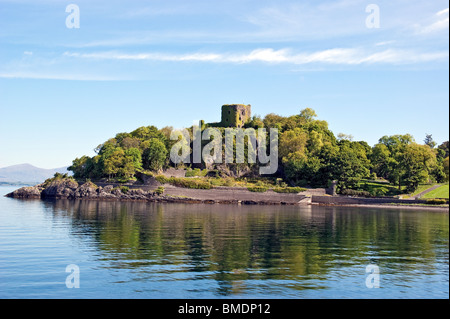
216, 182
147, 172
228, 182
124, 189
196, 172
436, 201
184, 182
381, 191
57, 177
125, 179
289, 189
258, 189
159, 190
352, 192
90, 184
162, 179
191, 183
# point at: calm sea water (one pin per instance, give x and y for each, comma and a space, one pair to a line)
145, 250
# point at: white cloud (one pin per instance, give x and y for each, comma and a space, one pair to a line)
442, 12
336, 56
54, 76
203, 57
56, 68
385, 42
440, 22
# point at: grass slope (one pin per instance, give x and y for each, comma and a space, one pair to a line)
441, 192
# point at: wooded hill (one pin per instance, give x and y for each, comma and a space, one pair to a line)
309, 155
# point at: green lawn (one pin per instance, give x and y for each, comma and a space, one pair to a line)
379, 188
421, 188
441, 192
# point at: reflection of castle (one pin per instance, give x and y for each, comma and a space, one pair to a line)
234, 115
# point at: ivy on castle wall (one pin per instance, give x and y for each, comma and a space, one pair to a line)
233, 115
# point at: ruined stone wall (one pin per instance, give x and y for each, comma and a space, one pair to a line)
235, 115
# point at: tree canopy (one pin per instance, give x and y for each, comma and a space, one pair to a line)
309, 155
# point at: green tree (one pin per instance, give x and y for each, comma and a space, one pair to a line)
166, 131
292, 141
80, 167
121, 163
121, 136
147, 132
382, 160
444, 146
133, 155
86, 167
438, 172
386, 154
303, 171
106, 147
130, 142
308, 114
415, 163
407, 163
347, 137
396, 142
429, 141
446, 168
155, 155
315, 142
113, 161
349, 165
274, 121
256, 122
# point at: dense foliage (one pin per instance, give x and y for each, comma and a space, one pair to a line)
309, 155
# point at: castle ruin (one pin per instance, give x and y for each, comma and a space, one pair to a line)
234, 115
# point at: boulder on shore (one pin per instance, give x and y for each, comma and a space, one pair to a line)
68, 188
27, 192
61, 188
87, 190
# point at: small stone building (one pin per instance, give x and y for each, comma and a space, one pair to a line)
234, 115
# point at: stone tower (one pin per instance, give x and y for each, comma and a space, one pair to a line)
235, 115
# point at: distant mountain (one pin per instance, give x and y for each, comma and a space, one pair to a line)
27, 174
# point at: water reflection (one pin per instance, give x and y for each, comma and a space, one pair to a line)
236, 249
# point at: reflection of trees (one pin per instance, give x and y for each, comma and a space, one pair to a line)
234, 245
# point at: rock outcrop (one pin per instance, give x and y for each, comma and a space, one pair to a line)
62, 188
27, 192
68, 188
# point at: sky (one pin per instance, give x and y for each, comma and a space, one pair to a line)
368, 68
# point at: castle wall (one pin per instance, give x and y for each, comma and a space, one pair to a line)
235, 115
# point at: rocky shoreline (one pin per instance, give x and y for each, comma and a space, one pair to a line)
70, 189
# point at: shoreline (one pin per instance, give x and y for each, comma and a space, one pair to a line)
70, 189
387, 206
193, 201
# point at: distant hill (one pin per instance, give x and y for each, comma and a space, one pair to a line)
27, 174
